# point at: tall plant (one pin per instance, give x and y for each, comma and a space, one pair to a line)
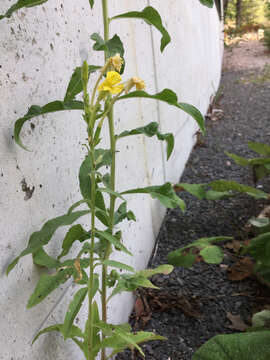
108, 89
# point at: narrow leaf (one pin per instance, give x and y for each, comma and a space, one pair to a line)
162, 269
151, 130
208, 3
41, 258
224, 185
76, 232
75, 331
21, 4
75, 85
43, 236
48, 283
113, 240
118, 265
36, 110
164, 193
151, 17
73, 309
91, 2
260, 148
170, 98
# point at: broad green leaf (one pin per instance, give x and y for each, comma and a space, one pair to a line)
151, 130
75, 85
112, 47
76, 232
208, 3
212, 254
21, 4
260, 171
118, 265
36, 110
48, 283
41, 258
260, 148
75, 331
113, 240
73, 309
224, 185
115, 46
170, 98
259, 248
151, 17
85, 187
164, 193
178, 258
122, 214
263, 271
162, 269
43, 236
261, 319
242, 346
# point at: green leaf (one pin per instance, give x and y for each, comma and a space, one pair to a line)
260, 222
113, 240
208, 3
212, 254
21, 4
151, 130
43, 236
73, 309
197, 190
122, 214
36, 110
260, 148
115, 46
112, 47
75, 331
170, 98
85, 187
118, 265
48, 283
224, 185
178, 258
99, 44
162, 269
91, 2
242, 346
41, 258
76, 232
111, 192
119, 343
259, 248
261, 319
151, 17
75, 85
164, 193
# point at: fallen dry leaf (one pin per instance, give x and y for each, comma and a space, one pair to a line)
241, 269
237, 322
234, 245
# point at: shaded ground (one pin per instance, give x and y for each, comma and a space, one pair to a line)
194, 304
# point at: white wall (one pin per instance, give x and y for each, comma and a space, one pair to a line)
39, 48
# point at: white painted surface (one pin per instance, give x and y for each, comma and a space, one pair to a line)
39, 48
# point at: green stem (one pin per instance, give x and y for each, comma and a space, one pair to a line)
112, 198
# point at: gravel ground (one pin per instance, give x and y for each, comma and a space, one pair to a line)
192, 304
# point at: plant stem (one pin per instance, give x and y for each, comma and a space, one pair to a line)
112, 179
91, 275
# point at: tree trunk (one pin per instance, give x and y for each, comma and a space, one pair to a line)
238, 14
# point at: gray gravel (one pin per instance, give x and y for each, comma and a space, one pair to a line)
246, 108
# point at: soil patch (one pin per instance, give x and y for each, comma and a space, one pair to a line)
196, 304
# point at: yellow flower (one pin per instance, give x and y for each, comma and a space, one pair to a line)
117, 62
110, 83
139, 83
